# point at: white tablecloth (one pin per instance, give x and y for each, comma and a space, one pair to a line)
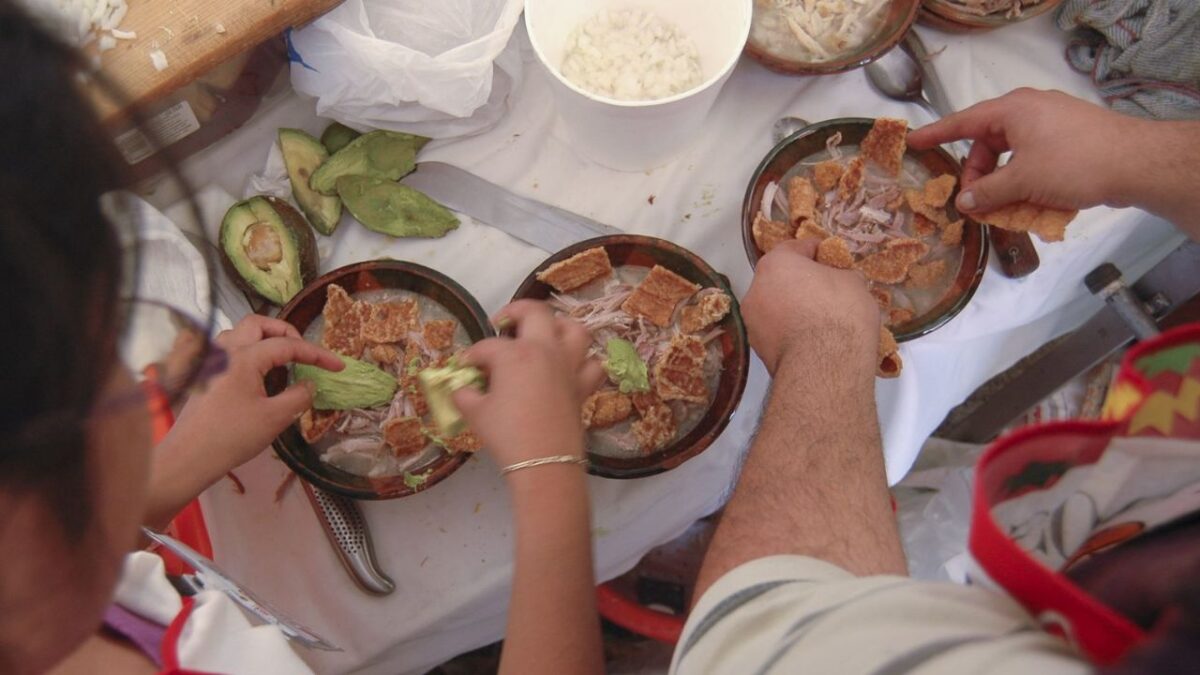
449, 549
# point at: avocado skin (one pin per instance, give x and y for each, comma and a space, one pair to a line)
302, 155
393, 209
302, 237
390, 155
337, 136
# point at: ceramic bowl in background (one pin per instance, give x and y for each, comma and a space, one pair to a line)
899, 17
639, 135
810, 141
642, 251
952, 17
308, 305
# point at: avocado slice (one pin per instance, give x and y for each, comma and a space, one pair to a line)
380, 154
394, 209
267, 248
337, 136
302, 154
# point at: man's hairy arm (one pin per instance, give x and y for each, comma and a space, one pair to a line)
814, 482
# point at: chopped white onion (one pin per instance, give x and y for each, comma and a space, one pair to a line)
159, 59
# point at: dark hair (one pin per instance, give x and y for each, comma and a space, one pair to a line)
61, 268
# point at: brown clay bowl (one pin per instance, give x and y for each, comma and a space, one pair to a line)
810, 141
307, 306
896, 23
952, 18
630, 249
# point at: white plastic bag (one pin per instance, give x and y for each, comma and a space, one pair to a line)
442, 68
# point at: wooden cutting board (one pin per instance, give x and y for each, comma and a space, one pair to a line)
195, 36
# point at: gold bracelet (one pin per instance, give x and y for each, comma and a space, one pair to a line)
542, 461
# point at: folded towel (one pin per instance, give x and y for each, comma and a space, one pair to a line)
1144, 55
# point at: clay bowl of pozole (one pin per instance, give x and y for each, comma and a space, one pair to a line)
922, 260
396, 318
669, 331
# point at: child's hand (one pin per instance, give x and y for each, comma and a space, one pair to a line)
536, 386
233, 419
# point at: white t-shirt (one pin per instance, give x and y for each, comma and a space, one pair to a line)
217, 637
793, 614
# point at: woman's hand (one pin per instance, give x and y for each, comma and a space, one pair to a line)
232, 419
537, 382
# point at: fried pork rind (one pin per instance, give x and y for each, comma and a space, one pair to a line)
679, 372
656, 429
810, 228
467, 441
1049, 225
827, 174
923, 227
916, 202
802, 200
391, 321
344, 319
834, 252
404, 435
644, 401
926, 275
885, 144
709, 309
890, 265
770, 233
578, 270
889, 355
658, 294
314, 424
897, 316
606, 408
439, 334
385, 355
938, 190
883, 297
852, 178
952, 233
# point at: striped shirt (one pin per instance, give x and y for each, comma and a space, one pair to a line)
792, 614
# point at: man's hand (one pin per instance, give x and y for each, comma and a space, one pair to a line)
1066, 153
796, 305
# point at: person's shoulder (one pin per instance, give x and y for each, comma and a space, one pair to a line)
802, 614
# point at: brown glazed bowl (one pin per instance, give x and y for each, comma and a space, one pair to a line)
952, 18
631, 249
811, 140
899, 18
308, 305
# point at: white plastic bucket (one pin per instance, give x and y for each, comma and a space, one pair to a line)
639, 135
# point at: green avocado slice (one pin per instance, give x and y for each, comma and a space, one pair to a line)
302, 154
337, 136
394, 209
267, 246
390, 155
358, 385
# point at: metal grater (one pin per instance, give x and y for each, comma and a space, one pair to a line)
347, 531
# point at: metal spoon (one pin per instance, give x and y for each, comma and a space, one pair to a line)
786, 126
898, 75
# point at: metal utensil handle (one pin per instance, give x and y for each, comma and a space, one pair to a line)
347, 531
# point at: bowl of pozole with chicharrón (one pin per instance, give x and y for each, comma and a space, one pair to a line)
876, 207
668, 331
372, 432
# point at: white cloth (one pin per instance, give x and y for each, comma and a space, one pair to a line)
449, 549
792, 614
217, 637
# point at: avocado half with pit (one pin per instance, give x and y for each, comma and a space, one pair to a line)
268, 248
